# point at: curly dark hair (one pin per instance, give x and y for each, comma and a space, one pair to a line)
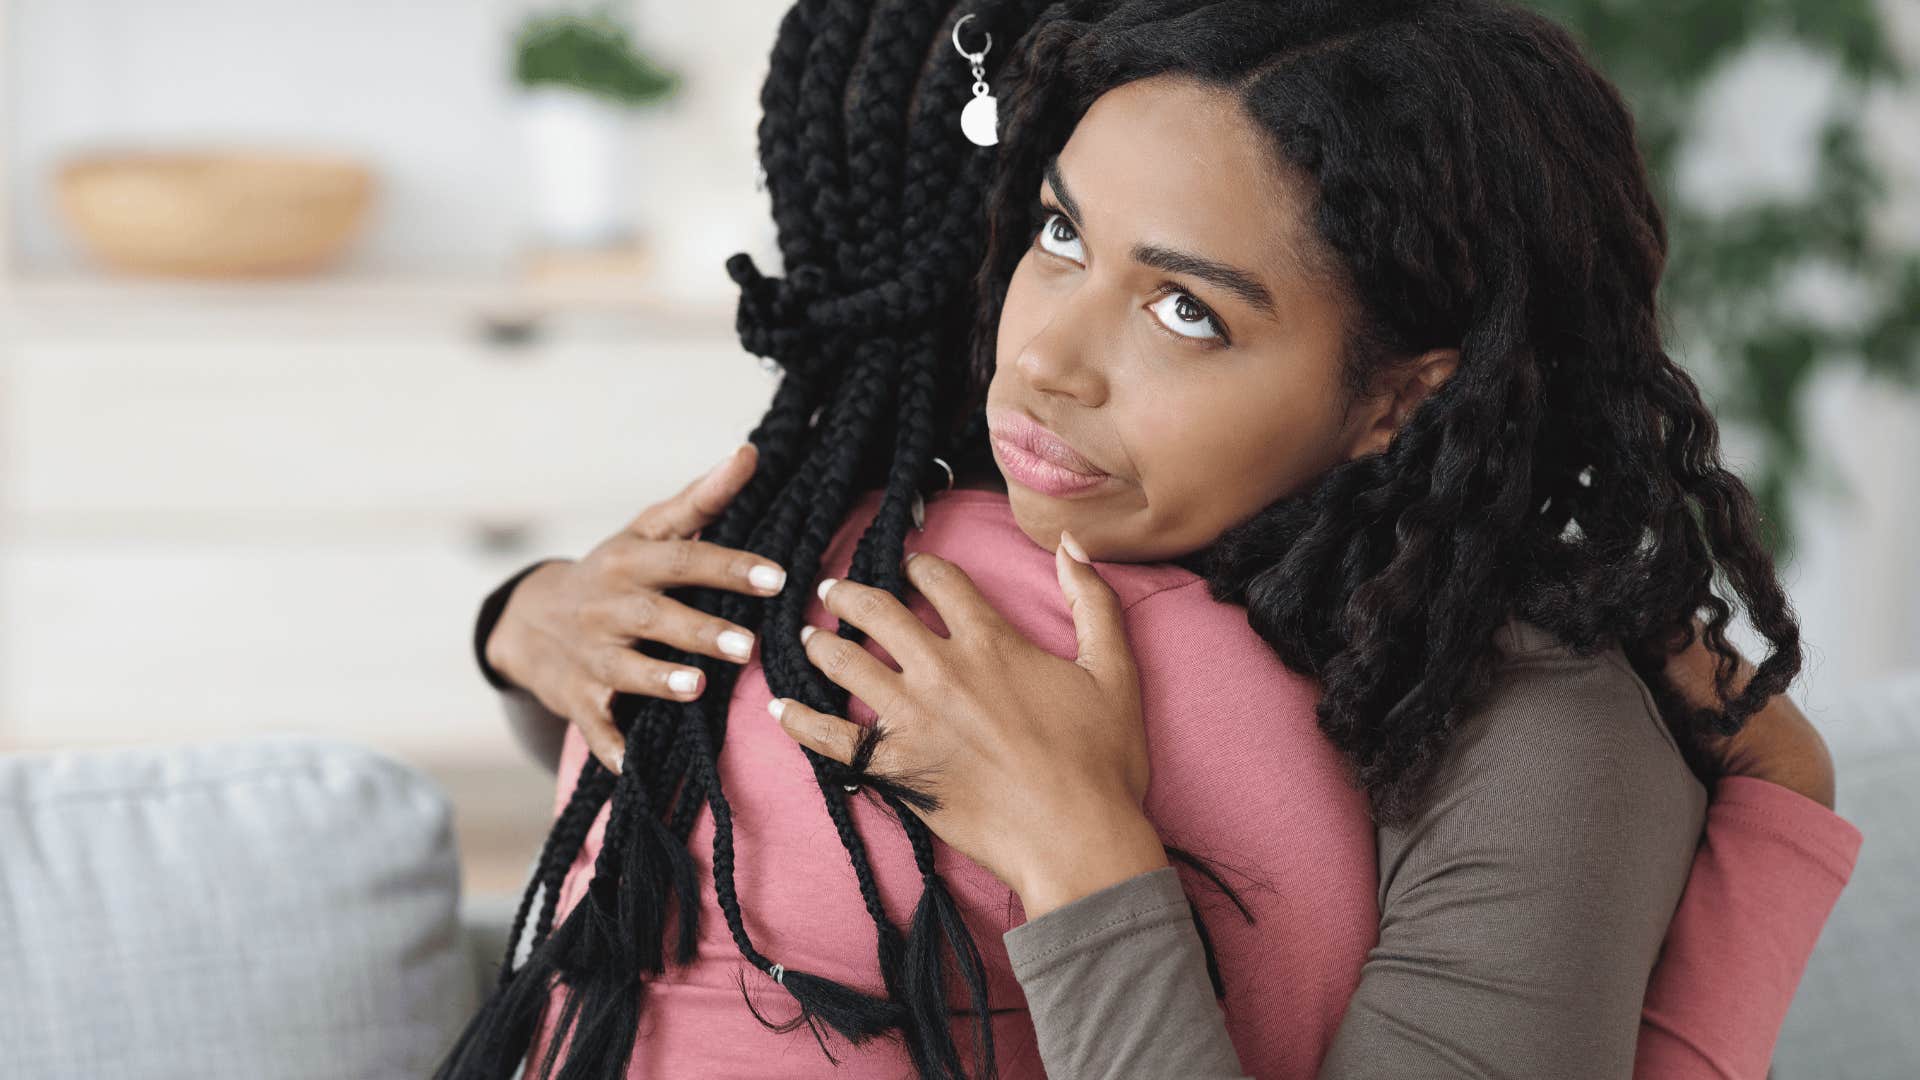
1475, 184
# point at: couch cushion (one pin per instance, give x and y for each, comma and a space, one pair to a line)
1853, 1015
276, 906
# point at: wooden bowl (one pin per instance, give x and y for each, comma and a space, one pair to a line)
214, 213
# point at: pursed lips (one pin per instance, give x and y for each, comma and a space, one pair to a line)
1016, 427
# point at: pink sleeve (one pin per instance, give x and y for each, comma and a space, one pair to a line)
1768, 872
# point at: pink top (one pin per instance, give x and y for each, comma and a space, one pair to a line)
1239, 766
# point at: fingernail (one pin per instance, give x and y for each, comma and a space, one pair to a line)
776, 707
1073, 546
909, 558
731, 454
735, 643
684, 680
821, 589
769, 578
807, 632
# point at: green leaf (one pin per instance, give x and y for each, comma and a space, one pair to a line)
1724, 271
591, 53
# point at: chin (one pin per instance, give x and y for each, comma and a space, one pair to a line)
1042, 519
1041, 522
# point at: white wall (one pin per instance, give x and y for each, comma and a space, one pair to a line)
421, 89
1856, 579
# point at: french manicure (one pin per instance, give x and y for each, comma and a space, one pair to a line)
821, 589
766, 577
684, 680
776, 707
736, 644
807, 631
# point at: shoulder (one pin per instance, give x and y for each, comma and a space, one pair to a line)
1523, 906
1551, 713
1173, 622
1563, 759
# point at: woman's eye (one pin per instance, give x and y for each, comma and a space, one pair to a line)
1182, 314
1058, 230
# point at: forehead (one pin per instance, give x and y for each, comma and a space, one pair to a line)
1170, 160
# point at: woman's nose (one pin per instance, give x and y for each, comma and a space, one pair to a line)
1060, 358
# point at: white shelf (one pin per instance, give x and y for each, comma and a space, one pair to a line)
85, 303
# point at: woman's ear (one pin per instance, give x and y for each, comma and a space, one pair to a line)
1407, 386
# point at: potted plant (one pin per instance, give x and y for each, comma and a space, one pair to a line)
580, 79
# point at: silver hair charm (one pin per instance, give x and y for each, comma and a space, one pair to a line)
919, 506
980, 120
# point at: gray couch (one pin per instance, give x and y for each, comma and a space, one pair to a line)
290, 907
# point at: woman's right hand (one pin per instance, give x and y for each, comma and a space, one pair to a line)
567, 632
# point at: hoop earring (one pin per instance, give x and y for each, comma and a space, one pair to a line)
919, 505
980, 120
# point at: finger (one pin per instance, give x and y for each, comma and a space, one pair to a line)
697, 504
1099, 625
850, 665
828, 736
664, 564
654, 616
624, 668
882, 617
593, 715
958, 601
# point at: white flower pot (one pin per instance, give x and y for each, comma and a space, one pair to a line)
577, 146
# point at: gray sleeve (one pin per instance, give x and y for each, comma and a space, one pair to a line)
1522, 911
539, 730
1116, 985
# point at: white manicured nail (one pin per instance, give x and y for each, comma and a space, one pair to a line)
684, 680
769, 578
821, 589
806, 632
776, 707
735, 643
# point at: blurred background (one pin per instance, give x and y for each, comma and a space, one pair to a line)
318, 319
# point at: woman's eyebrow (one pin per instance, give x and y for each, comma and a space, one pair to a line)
1172, 260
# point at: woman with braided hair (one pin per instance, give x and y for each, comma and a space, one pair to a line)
1328, 330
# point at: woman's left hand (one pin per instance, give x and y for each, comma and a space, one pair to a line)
1036, 766
1777, 744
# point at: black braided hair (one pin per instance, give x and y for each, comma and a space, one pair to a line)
877, 200
1475, 184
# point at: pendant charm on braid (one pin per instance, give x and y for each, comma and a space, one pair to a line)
980, 120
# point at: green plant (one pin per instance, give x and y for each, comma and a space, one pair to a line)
592, 53
1727, 271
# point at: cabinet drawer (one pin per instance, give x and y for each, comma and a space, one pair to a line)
108, 643
258, 430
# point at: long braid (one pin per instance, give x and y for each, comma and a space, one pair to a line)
569, 833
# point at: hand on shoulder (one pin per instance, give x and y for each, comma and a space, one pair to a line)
1778, 744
